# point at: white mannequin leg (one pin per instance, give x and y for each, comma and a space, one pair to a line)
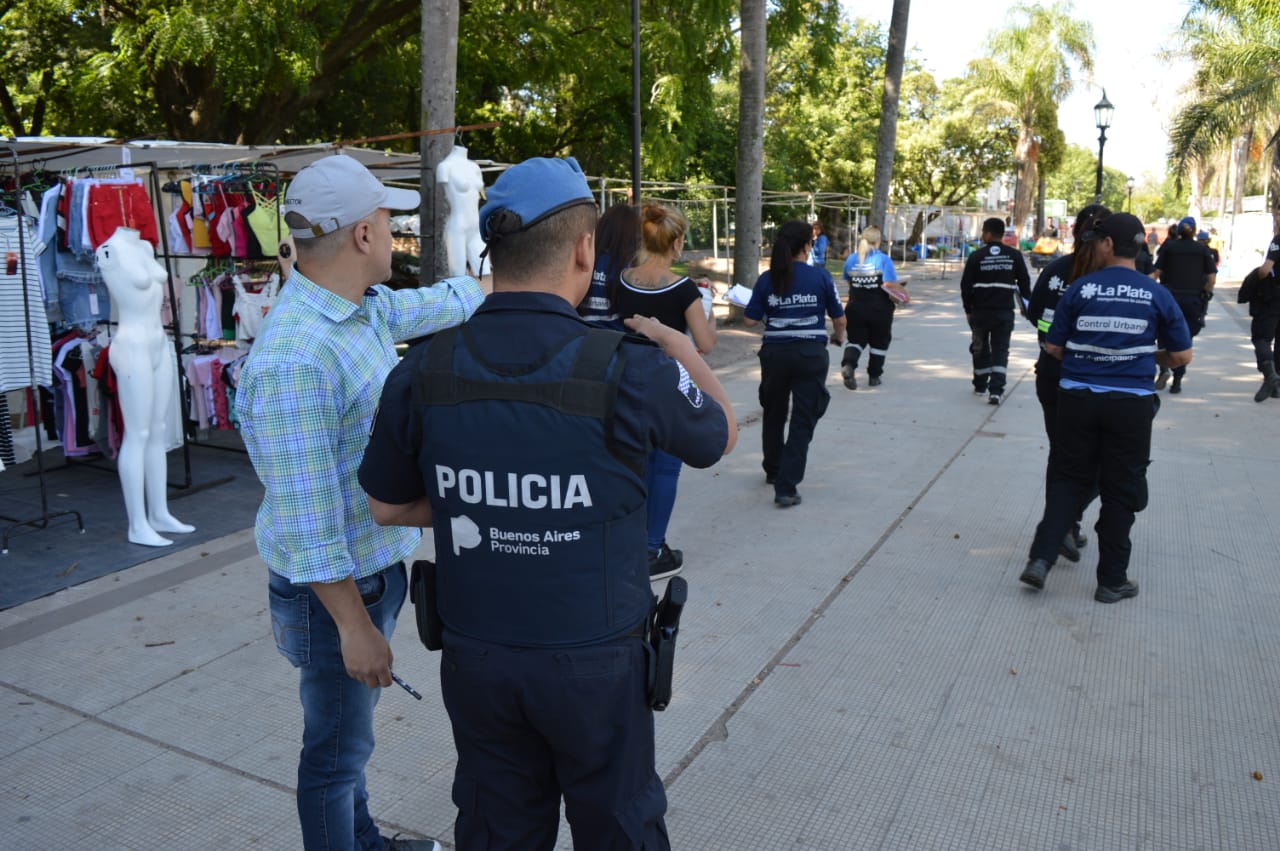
157, 471
135, 388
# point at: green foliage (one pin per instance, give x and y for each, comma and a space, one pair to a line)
949, 143
821, 119
1236, 47
560, 82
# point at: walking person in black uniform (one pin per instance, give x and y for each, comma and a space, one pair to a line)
993, 277
1188, 271
793, 299
1048, 289
522, 437
1264, 309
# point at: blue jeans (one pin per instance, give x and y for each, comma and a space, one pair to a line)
661, 475
337, 711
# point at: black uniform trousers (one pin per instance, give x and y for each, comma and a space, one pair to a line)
1103, 440
870, 324
1048, 374
1262, 331
990, 332
793, 379
532, 724
1194, 308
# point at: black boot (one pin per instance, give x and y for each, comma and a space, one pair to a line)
1270, 382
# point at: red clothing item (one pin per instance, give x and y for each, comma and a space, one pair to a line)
114, 205
106, 377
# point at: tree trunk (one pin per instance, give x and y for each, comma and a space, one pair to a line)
439, 84
1273, 181
1241, 170
1026, 186
887, 135
1226, 182
750, 172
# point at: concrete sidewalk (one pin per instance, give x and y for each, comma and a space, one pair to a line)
862, 671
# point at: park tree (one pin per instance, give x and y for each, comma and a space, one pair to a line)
248, 71
750, 163
887, 132
1236, 91
1027, 72
952, 142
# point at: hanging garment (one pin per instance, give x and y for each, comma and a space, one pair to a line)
251, 308
113, 204
24, 329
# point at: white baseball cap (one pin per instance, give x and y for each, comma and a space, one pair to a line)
337, 191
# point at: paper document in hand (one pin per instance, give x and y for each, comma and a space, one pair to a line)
739, 295
898, 295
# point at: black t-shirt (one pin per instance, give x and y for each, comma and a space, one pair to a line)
667, 305
1183, 265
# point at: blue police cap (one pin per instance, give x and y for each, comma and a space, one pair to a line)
529, 192
1187, 222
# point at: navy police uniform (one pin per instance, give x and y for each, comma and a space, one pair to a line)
993, 277
1184, 266
793, 368
1264, 312
529, 430
1110, 323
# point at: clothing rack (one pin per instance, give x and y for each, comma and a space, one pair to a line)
45, 517
249, 170
187, 486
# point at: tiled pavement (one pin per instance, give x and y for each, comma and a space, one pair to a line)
863, 671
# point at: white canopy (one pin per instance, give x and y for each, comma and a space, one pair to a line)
66, 153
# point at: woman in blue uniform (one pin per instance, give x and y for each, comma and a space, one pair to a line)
793, 299
617, 240
874, 294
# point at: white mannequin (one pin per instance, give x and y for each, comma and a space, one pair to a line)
464, 187
144, 362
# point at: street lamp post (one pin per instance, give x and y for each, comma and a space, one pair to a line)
1102, 113
1130, 184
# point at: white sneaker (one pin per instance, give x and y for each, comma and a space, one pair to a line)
993, 399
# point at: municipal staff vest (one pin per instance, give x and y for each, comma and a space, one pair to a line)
540, 543
865, 282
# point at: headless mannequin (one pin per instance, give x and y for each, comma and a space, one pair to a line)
144, 362
463, 188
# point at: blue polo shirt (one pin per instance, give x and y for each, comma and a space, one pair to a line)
799, 315
1110, 324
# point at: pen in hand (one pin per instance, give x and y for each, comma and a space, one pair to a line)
396, 679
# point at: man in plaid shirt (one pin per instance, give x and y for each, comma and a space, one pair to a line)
306, 399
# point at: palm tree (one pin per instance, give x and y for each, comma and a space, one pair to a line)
887, 134
750, 176
1027, 72
1236, 47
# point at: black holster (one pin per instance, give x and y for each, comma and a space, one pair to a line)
662, 638
422, 593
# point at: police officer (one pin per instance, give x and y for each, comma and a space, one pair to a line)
522, 438
1264, 312
993, 276
1188, 270
1048, 289
1111, 328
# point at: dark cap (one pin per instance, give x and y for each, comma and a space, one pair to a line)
1123, 228
527, 193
